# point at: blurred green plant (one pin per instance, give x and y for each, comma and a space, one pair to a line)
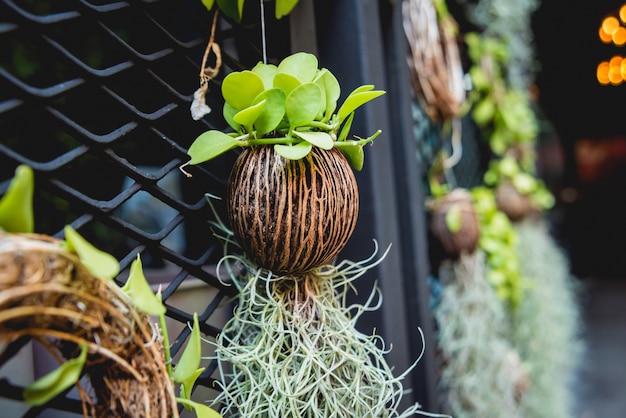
507, 169
498, 240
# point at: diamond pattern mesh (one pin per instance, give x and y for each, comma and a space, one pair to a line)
95, 97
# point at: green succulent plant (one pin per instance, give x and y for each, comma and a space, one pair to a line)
498, 240
503, 113
507, 169
292, 106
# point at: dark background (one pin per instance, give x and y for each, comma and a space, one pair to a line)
588, 120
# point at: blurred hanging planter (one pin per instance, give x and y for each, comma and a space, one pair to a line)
434, 59
503, 113
60, 293
437, 77
291, 348
518, 193
454, 222
508, 123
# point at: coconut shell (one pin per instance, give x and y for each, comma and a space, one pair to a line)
291, 216
465, 240
515, 205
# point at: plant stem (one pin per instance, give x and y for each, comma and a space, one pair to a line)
322, 125
361, 141
272, 141
166, 345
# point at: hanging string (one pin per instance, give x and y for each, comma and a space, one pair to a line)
457, 152
263, 45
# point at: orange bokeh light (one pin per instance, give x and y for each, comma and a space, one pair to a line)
616, 61
604, 37
602, 73
619, 36
615, 76
610, 24
613, 71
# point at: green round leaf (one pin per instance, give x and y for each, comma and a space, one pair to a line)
484, 111
229, 113
209, 145
232, 8
246, 117
330, 86
267, 73
240, 88
319, 139
273, 112
524, 183
293, 152
303, 104
508, 167
453, 219
284, 7
355, 156
286, 82
208, 4
301, 65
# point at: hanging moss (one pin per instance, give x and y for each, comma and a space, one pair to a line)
481, 374
546, 326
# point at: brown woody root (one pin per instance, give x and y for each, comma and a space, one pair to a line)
46, 294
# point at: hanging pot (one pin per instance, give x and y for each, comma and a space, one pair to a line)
465, 238
513, 203
291, 216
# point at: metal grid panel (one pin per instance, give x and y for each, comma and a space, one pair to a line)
95, 96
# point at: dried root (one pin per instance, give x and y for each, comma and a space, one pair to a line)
292, 350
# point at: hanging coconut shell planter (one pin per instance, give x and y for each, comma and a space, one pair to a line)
454, 223
291, 348
291, 216
518, 194
292, 196
514, 204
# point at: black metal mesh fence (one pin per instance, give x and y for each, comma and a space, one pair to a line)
95, 97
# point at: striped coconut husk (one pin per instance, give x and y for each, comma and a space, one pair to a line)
47, 295
291, 216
